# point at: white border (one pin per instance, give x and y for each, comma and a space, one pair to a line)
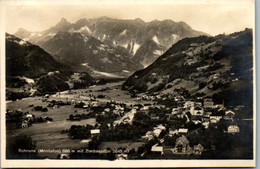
105, 163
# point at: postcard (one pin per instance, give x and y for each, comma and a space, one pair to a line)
128, 83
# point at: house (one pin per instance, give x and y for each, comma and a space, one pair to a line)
158, 129
198, 104
64, 156
157, 149
229, 115
194, 45
160, 126
173, 132
233, 129
94, 132
95, 104
197, 111
25, 124
47, 96
155, 117
145, 108
175, 110
198, 149
157, 132
182, 145
85, 106
122, 156
220, 106
182, 131
29, 116
215, 118
239, 107
188, 104
85, 141
208, 103
77, 117
205, 124
148, 135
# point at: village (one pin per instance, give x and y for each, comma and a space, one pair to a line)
154, 125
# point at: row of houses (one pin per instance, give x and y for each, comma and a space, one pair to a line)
155, 133
181, 146
206, 113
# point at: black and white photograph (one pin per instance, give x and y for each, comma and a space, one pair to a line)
128, 83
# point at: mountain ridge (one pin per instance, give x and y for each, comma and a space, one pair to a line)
202, 66
130, 33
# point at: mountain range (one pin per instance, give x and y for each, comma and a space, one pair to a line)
135, 42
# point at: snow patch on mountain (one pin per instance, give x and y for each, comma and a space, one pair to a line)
104, 37
51, 34
123, 33
85, 29
22, 42
124, 45
158, 52
101, 48
125, 71
95, 52
175, 37
136, 47
106, 74
155, 39
84, 64
106, 60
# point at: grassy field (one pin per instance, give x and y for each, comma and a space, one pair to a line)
48, 135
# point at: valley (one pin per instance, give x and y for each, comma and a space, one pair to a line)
104, 89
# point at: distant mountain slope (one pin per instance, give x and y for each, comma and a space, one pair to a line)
148, 52
206, 65
26, 59
32, 71
129, 34
87, 52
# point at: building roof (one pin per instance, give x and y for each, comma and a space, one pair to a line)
198, 147
182, 139
183, 130
208, 99
233, 126
156, 148
95, 131
85, 141
198, 108
229, 111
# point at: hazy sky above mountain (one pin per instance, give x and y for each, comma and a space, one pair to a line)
213, 18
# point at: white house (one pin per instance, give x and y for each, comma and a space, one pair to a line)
95, 131
157, 149
229, 115
182, 131
233, 129
197, 111
215, 119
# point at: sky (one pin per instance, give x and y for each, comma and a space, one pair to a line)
210, 16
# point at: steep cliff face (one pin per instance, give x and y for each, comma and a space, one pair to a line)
89, 53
